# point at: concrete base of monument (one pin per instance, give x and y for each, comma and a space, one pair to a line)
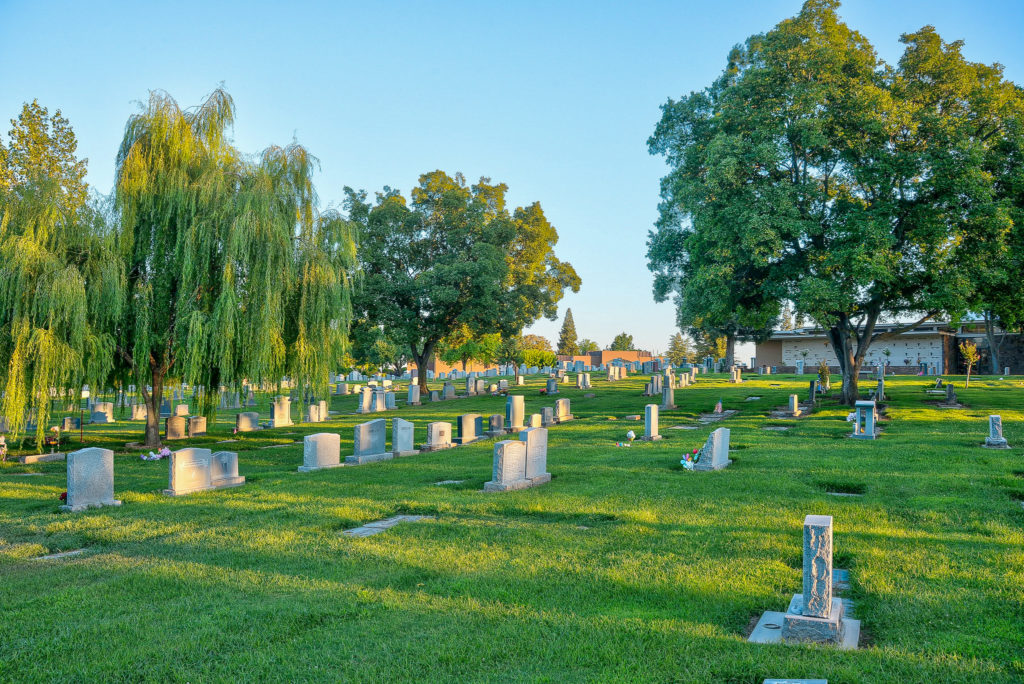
708, 467
362, 459
400, 454
769, 631
989, 444
524, 483
313, 469
223, 483
652, 438
462, 441
46, 458
563, 419
435, 447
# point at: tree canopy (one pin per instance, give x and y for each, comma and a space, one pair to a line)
451, 257
622, 342
60, 281
232, 273
812, 171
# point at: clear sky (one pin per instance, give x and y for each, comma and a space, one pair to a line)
556, 99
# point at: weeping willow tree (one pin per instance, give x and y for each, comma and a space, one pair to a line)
60, 280
232, 273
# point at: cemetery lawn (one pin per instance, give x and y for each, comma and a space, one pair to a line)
624, 568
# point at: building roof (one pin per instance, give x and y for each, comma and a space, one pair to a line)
929, 328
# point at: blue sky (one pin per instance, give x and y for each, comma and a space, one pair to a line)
555, 99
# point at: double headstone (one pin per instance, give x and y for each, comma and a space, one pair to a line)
523, 465
90, 479
369, 443
319, 451
196, 470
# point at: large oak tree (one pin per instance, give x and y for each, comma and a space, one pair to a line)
812, 171
454, 258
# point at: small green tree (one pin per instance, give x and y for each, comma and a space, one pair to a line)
587, 346
679, 349
622, 342
567, 345
969, 351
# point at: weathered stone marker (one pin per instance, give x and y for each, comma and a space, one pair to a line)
794, 405
281, 412
509, 470
995, 439
714, 455
413, 398
90, 482
668, 398
815, 615
552, 386
196, 426
319, 451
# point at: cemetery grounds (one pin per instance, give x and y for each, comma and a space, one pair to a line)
625, 567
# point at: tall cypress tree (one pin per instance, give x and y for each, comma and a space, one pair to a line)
567, 344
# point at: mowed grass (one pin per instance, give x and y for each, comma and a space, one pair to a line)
624, 568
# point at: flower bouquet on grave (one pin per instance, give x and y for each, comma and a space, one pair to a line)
163, 453
690, 460
718, 406
630, 436
63, 496
53, 438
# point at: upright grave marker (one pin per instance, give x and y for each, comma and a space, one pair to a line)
319, 451
90, 479
197, 470
369, 443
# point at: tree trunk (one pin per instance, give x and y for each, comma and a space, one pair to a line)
730, 350
152, 400
851, 359
422, 359
993, 350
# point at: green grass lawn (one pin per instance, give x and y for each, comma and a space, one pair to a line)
624, 567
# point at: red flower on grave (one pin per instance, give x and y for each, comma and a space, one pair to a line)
64, 496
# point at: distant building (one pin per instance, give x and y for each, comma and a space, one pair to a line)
932, 345
600, 358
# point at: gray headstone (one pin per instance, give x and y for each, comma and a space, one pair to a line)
536, 440
175, 428
515, 409
995, 437
651, 432
439, 436
369, 443
196, 426
402, 432
509, 470
714, 455
196, 470
321, 450
90, 482
247, 422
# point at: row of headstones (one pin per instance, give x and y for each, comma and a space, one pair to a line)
90, 475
